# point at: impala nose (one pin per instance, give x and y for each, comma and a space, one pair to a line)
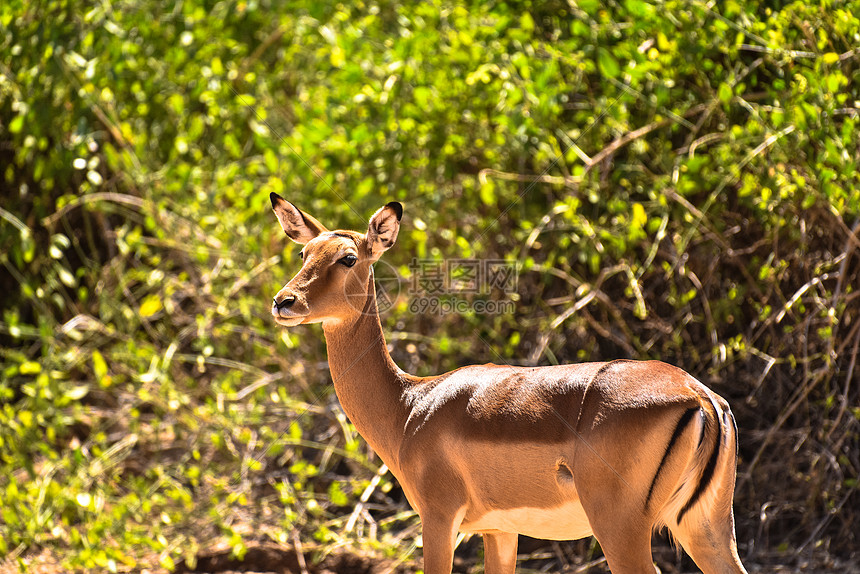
284, 303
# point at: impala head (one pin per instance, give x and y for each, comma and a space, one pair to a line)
335, 281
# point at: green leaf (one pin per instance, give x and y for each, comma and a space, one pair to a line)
16, 125
336, 495
166, 562
99, 365
590, 6
78, 392
725, 93
607, 64
638, 219
66, 277
30, 368
150, 306
488, 193
83, 499
271, 161
527, 23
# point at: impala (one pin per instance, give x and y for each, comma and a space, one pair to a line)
615, 449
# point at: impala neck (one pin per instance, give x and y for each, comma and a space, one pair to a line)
367, 382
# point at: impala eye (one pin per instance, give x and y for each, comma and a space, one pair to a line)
302, 255
348, 260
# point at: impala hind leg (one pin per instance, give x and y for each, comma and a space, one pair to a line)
623, 531
500, 553
706, 530
627, 550
711, 544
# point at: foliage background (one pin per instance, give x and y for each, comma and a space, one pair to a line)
676, 180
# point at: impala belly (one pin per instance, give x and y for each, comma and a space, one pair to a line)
565, 522
523, 488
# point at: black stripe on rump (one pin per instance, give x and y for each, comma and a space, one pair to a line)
683, 422
707, 474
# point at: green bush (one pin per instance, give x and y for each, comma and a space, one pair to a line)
675, 180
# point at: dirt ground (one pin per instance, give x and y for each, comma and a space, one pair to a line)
272, 559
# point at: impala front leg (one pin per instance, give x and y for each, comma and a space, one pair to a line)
500, 553
440, 535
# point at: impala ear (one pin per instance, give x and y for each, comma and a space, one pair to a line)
382, 232
299, 226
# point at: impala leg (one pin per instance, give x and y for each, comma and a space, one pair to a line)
707, 531
624, 532
627, 551
500, 553
440, 535
711, 544
624, 536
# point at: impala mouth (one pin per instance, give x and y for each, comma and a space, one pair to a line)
288, 321
285, 317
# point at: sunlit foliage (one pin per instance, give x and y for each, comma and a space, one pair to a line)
674, 180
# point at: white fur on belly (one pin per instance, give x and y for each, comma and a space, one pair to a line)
566, 522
